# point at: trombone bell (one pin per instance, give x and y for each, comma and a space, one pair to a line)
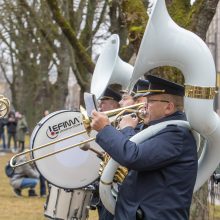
4, 106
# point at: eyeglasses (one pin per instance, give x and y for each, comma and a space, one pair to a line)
157, 100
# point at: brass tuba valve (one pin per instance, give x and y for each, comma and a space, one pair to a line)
120, 174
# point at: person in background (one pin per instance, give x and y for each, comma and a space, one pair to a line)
141, 87
126, 98
46, 112
140, 97
135, 97
2, 133
21, 130
24, 177
109, 100
11, 130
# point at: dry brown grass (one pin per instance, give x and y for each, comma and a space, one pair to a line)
12, 207
20, 208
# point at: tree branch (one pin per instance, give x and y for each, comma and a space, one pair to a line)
100, 21
71, 35
201, 15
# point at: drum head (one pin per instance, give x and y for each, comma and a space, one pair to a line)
70, 169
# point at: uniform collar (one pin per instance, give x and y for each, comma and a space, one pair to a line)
175, 116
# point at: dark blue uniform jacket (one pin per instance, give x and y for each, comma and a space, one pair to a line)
162, 172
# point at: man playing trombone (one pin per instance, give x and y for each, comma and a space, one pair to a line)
163, 168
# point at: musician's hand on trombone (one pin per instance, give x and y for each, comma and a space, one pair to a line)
99, 120
128, 121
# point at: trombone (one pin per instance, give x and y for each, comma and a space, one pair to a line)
86, 122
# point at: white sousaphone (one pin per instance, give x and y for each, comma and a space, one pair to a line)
110, 68
165, 43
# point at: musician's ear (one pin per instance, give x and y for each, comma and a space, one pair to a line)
169, 108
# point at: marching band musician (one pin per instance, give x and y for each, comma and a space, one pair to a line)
126, 100
163, 168
108, 101
138, 97
141, 87
111, 100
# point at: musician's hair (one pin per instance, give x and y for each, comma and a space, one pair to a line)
176, 100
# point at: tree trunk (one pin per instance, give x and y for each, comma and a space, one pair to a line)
200, 206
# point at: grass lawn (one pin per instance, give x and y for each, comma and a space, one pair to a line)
215, 212
21, 208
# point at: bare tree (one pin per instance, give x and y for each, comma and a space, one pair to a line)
37, 47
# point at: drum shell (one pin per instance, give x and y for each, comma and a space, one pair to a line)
68, 205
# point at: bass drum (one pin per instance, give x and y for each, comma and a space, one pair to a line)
68, 205
70, 169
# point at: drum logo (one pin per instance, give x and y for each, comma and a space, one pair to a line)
54, 130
